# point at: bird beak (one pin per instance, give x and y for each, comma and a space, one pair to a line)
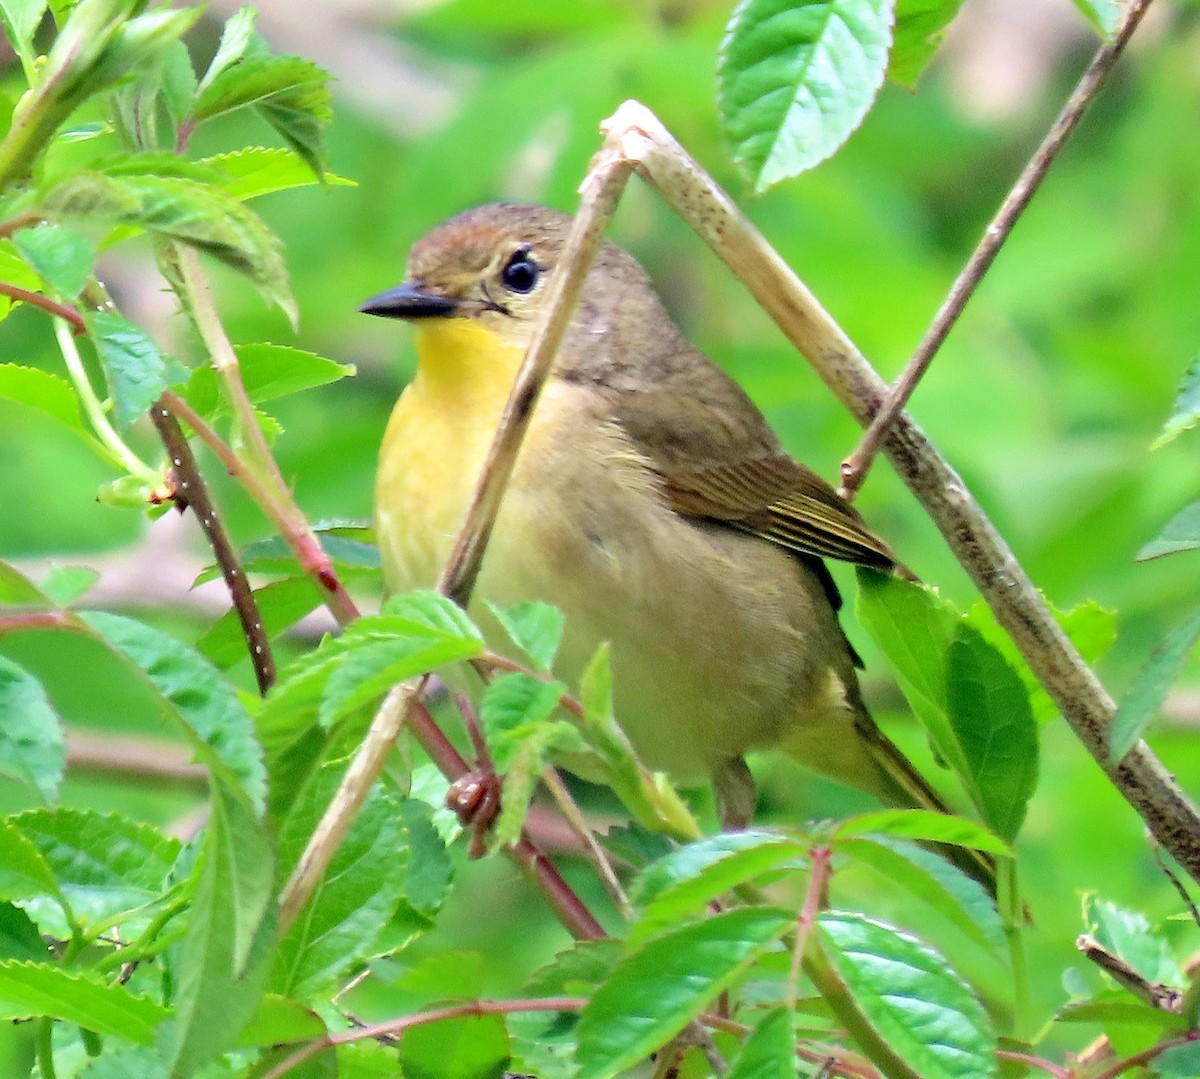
410, 300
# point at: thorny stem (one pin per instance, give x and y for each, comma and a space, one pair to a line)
105, 432
856, 466
191, 490
438, 1015
292, 523
53, 307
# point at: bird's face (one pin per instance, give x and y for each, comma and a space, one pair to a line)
491, 265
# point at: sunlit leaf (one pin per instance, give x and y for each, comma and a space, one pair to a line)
535, 628
32, 750
262, 170
920, 25
62, 257
44, 391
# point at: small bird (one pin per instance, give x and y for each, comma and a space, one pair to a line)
651, 502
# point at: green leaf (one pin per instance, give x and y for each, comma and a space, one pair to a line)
44, 391
425, 612
357, 896
181, 209
796, 77
262, 170
1180, 533
65, 584
279, 1021
1102, 14
21, 18
236, 36
1178, 1062
430, 870
1129, 935
1145, 697
193, 693
513, 705
658, 990
281, 604
17, 590
106, 866
535, 628
24, 873
957, 899
19, 937
32, 989
178, 81
1186, 413
62, 258
268, 372
469, 1047
678, 887
225, 957
909, 995
769, 1052
576, 970
920, 25
925, 825
135, 369
32, 750
144, 1062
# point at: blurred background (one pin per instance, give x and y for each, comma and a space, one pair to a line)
1046, 397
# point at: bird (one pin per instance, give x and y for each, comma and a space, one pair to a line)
651, 502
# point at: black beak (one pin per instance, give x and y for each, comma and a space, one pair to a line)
409, 300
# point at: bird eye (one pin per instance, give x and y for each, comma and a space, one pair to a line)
520, 273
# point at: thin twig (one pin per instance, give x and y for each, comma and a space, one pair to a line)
814, 899
191, 490
1031, 1061
140, 757
35, 299
1163, 997
856, 466
979, 548
1176, 883
1147, 1055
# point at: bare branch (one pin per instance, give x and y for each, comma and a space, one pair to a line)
856, 466
134, 757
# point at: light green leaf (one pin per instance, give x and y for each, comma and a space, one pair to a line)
32, 989
63, 258
429, 870
143, 1062
44, 391
1178, 1062
535, 628
279, 1021
1129, 935
512, 706
576, 970
678, 887
135, 369
262, 170
236, 36
281, 604
1145, 697
657, 991
65, 584
32, 750
268, 372
1102, 14
21, 19
178, 86
471, 1047
922, 824
24, 873
425, 610
796, 77
17, 590
1186, 413
1180, 533
920, 25
769, 1052
909, 995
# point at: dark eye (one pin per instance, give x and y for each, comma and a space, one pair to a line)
520, 273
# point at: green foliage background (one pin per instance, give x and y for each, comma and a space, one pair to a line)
1047, 396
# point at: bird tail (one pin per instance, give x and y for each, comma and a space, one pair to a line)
901, 785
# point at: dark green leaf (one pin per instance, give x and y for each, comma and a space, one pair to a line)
31, 740
44, 391
1178, 1062
281, 604
19, 937
908, 993
1186, 413
194, 694
33, 989
658, 990
135, 369
62, 258
796, 77
535, 628
920, 25
262, 170
470, 1047
769, 1052
1145, 697
1180, 533
678, 887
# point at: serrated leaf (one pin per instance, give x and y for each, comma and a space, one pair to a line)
236, 35
225, 957
32, 750
429, 870
426, 610
1145, 697
535, 628
33, 989
1102, 14
1129, 935
1186, 412
281, 604
925, 825
19, 937
62, 258
263, 170
24, 873
512, 705
1180, 533
134, 368
106, 866
193, 693
65, 584
769, 1052
679, 886
268, 372
21, 18
357, 895
471, 1047
910, 996
796, 77
576, 970
657, 991
957, 899
920, 25
44, 391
